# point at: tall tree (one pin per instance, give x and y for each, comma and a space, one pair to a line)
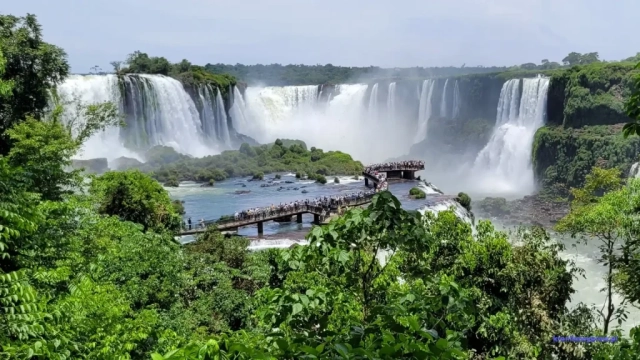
33, 66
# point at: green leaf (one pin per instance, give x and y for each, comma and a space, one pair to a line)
343, 257
156, 356
296, 309
342, 350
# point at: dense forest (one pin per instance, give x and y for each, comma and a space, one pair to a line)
280, 75
90, 268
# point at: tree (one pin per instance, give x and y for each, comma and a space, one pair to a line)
573, 58
632, 108
44, 150
601, 220
134, 196
117, 65
33, 66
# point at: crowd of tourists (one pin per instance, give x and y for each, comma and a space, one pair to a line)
378, 171
322, 205
395, 165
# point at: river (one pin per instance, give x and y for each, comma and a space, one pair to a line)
210, 203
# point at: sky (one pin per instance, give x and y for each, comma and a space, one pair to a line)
386, 33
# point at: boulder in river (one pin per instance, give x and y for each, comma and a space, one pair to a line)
124, 163
93, 166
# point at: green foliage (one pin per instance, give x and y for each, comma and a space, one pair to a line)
22, 45
189, 75
562, 158
280, 75
493, 206
607, 221
172, 182
592, 94
134, 196
376, 283
632, 107
255, 160
319, 178
258, 175
45, 148
575, 58
417, 193
464, 200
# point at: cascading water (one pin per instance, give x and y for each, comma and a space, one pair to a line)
221, 117
425, 110
345, 122
443, 102
213, 116
391, 102
157, 111
85, 90
456, 101
373, 104
635, 171
160, 112
504, 165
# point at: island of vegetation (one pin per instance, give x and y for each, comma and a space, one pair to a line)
98, 274
169, 167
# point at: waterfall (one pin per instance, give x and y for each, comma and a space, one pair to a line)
85, 90
160, 112
352, 119
221, 117
508, 103
456, 101
156, 109
635, 171
373, 104
443, 102
504, 165
425, 110
391, 102
208, 112
238, 113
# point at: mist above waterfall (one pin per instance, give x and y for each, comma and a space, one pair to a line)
359, 119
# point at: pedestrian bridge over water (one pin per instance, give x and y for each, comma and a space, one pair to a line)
391, 170
407, 172
319, 215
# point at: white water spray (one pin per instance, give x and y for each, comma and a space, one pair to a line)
504, 165
443, 102
86, 90
425, 110
456, 101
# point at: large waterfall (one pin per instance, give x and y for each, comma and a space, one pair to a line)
365, 121
505, 162
424, 112
157, 110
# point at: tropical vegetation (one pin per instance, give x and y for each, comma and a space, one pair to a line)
90, 268
281, 156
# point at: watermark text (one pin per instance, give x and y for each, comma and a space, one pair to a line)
585, 339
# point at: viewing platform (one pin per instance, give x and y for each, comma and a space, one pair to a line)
391, 173
319, 215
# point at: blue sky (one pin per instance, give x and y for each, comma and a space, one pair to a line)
391, 33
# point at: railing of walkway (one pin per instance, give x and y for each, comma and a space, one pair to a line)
230, 221
394, 168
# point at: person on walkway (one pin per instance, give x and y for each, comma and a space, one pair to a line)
189, 221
